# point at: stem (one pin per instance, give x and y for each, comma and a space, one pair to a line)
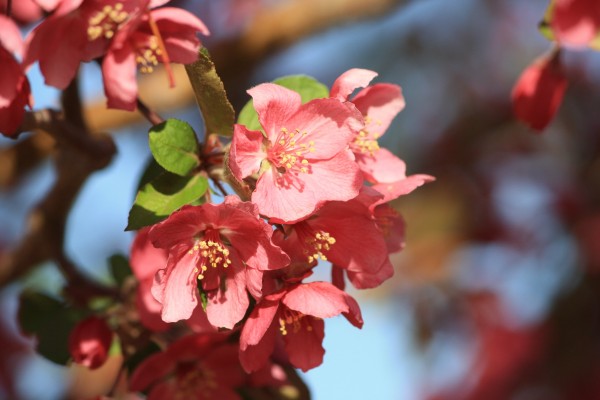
149, 114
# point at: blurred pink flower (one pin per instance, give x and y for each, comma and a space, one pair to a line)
15, 93
89, 342
539, 92
575, 22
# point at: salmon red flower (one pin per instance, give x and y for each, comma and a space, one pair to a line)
302, 160
222, 249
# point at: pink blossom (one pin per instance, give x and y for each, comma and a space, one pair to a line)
22, 11
90, 341
575, 22
346, 234
83, 30
379, 104
146, 260
221, 248
137, 45
302, 160
296, 312
200, 366
539, 92
15, 93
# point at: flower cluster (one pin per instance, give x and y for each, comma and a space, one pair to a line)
123, 36
319, 187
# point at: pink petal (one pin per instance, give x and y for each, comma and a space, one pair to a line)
181, 50
152, 369
402, 187
60, 42
157, 3
330, 180
379, 104
254, 280
337, 277
119, 73
145, 259
258, 323
149, 308
575, 22
10, 75
263, 331
367, 280
11, 38
171, 20
179, 296
364, 252
164, 390
539, 92
246, 152
227, 307
349, 81
319, 299
274, 105
382, 166
328, 123
180, 227
199, 323
304, 347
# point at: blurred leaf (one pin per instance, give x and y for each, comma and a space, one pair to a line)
174, 146
165, 194
119, 268
308, 88
50, 321
211, 97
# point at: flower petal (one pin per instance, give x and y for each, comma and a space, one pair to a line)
379, 104
11, 38
119, 73
260, 328
246, 153
179, 293
145, 259
274, 105
227, 307
575, 22
350, 80
394, 190
329, 127
319, 299
539, 92
304, 347
335, 179
382, 166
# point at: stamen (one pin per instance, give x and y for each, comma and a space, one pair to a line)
320, 242
163, 50
212, 254
106, 22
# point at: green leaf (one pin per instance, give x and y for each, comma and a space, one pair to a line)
119, 268
51, 321
165, 194
308, 88
211, 97
174, 146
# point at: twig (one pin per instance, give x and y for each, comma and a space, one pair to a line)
149, 114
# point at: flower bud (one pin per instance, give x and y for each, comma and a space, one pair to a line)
90, 342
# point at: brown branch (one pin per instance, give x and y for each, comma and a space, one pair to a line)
77, 156
149, 114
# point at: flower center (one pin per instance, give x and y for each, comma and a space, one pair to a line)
106, 22
293, 320
193, 380
365, 143
316, 242
287, 154
213, 253
147, 56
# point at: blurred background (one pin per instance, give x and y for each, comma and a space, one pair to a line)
497, 293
